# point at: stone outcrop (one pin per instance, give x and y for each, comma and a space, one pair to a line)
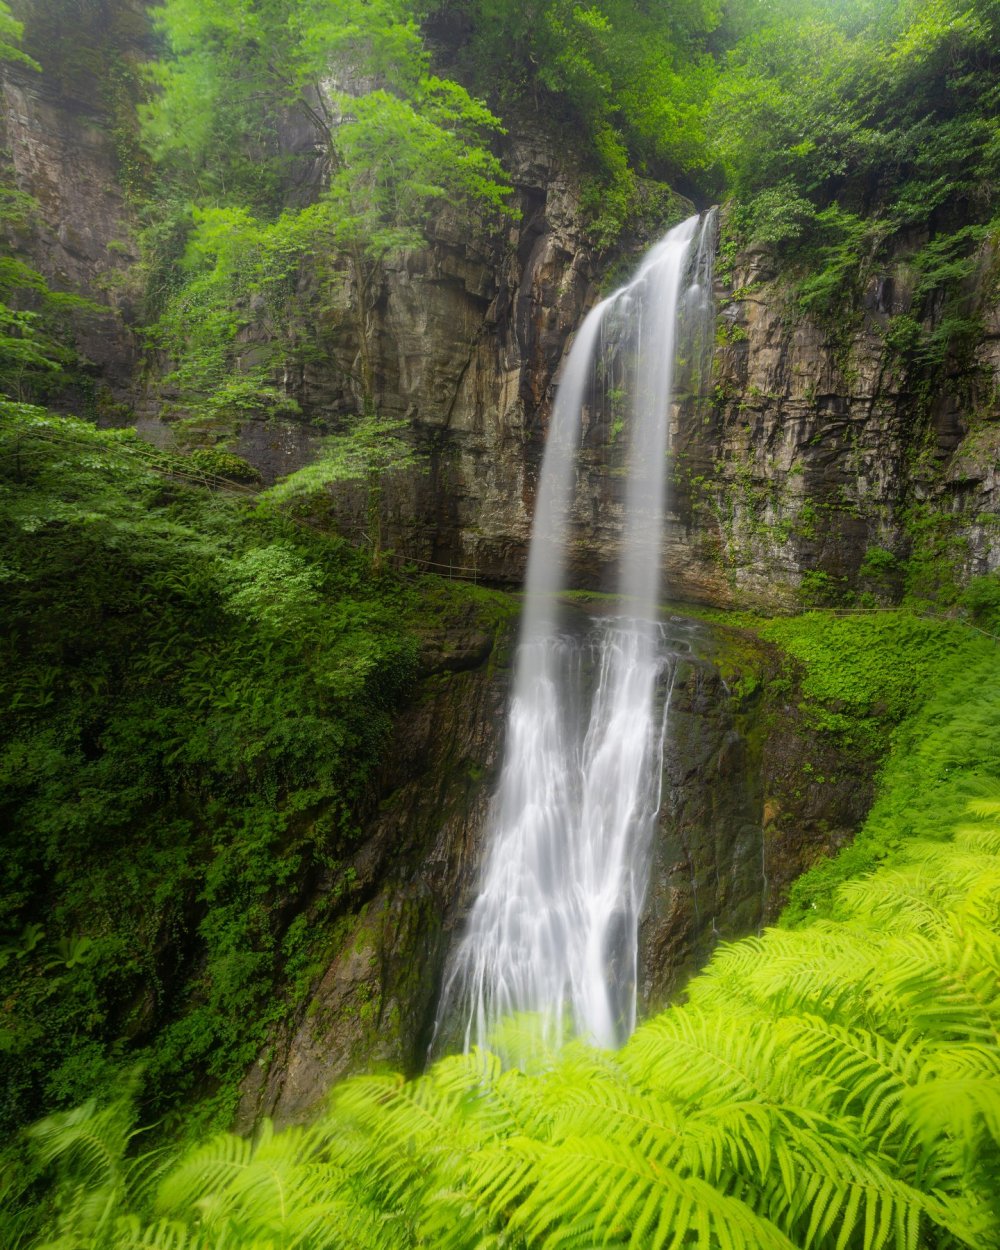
817, 448
740, 816
390, 912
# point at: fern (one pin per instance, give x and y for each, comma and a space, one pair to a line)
823, 969
588, 1189
832, 1088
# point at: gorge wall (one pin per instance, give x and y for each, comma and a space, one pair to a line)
811, 465
809, 449
737, 823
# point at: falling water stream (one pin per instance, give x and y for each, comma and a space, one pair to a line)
554, 929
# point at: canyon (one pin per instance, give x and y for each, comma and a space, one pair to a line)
809, 467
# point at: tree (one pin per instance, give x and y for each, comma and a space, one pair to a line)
397, 142
626, 81
367, 453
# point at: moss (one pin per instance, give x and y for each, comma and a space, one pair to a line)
215, 463
918, 693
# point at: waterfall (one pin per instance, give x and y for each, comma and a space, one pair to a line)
554, 929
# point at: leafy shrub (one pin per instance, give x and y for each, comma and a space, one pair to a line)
981, 599
194, 697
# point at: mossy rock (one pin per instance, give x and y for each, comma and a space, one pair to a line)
216, 463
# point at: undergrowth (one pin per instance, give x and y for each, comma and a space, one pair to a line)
862, 674
834, 1088
195, 694
945, 751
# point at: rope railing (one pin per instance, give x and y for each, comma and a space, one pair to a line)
453, 570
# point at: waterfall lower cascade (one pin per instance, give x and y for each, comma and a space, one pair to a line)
554, 929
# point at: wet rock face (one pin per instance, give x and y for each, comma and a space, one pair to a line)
706, 877
815, 447
739, 818
400, 898
735, 827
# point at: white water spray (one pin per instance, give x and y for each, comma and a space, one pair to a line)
554, 929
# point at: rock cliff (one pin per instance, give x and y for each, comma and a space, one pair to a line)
67, 135
736, 825
810, 466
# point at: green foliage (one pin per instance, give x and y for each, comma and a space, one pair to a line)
370, 447
235, 273
853, 133
236, 70
368, 452
401, 144
195, 692
925, 688
223, 464
194, 695
862, 674
877, 563
856, 101
981, 599
835, 1088
628, 81
11, 34
399, 159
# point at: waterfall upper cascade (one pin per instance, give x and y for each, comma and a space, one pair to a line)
554, 929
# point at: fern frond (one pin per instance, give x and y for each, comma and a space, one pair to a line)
691, 1056
947, 876
206, 1170
957, 1060
589, 1095
964, 1107
499, 1176
612, 1194
412, 1130
824, 969
981, 838
94, 1140
529, 1041
966, 1112
825, 1193
871, 1072
940, 987
485, 1097
985, 807
131, 1234
896, 901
